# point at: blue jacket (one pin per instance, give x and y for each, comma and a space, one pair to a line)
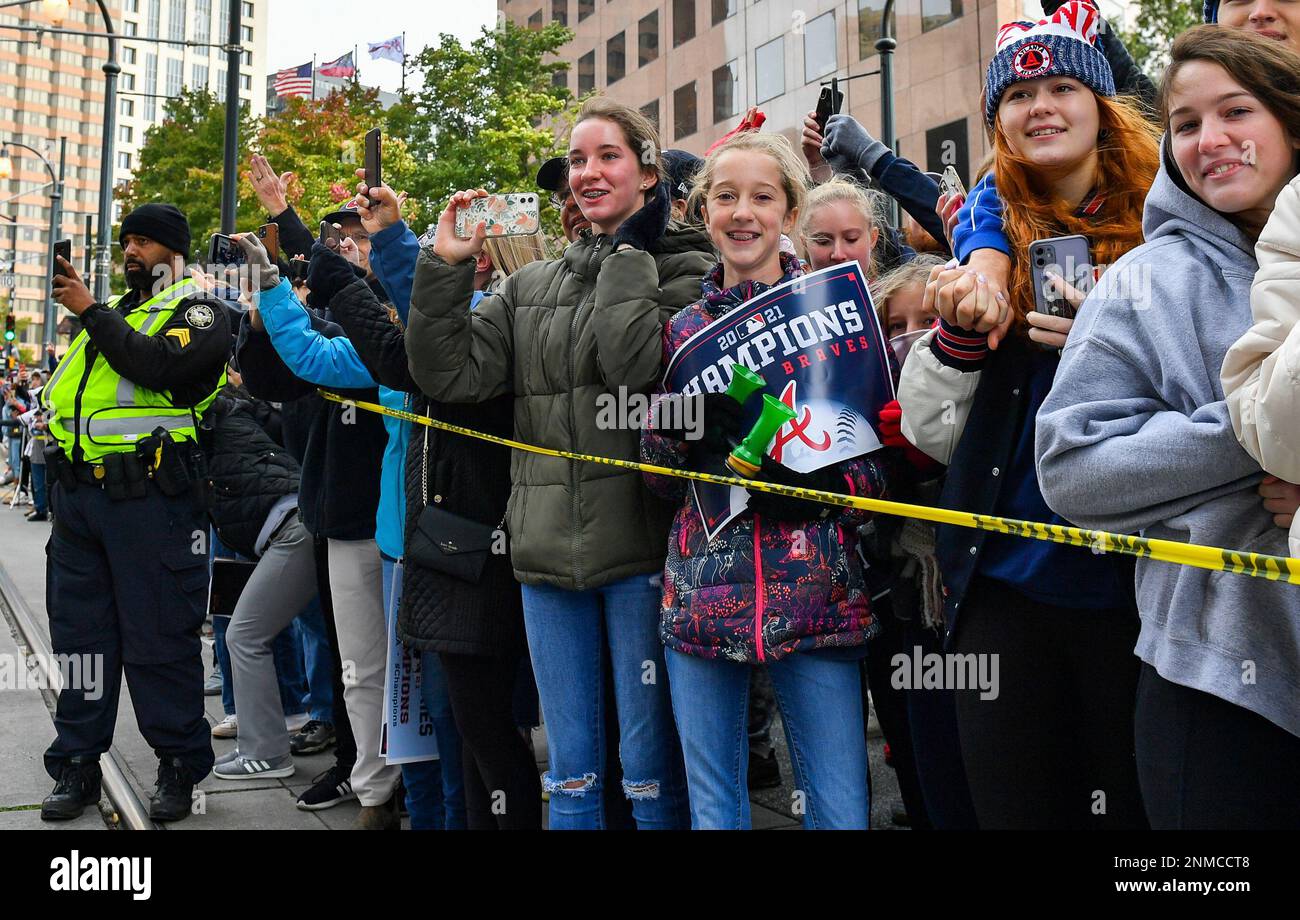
979, 222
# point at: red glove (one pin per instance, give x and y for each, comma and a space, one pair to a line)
891, 435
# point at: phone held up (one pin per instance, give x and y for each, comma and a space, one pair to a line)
269, 234
374, 155
1067, 257
62, 250
828, 103
505, 215
329, 231
225, 250
950, 183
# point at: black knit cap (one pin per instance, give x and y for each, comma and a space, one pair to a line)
162, 223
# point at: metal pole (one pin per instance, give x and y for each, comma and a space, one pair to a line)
229, 174
88, 267
104, 252
56, 220
403, 63
885, 45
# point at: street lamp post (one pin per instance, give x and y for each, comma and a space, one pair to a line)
56, 218
885, 45
104, 251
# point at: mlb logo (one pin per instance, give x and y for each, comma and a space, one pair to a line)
754, 324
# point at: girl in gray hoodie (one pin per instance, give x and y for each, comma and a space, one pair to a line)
1135, 437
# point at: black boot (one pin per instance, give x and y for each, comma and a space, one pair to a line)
175, 793
78, 786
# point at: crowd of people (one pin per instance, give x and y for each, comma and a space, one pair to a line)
1131, 693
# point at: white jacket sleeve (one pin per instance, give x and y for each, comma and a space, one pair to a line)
936, 401
1261, 372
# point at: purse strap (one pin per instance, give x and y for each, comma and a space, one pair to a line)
424, 476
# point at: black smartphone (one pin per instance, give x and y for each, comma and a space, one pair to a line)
330, 232
374, 158
298, 269
224, 250
62, 249
1068, 257
828, 103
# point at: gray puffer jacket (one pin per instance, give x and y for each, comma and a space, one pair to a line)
564, 337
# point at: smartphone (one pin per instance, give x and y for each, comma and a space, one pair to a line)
269, 234
374, 165
298, 269
828, 103
1069, 257
62, 249
224, 250
950, 183
330, 232
506, 215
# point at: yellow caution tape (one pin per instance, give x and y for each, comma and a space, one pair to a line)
1259, 565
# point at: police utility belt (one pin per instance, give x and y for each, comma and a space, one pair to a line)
175, 467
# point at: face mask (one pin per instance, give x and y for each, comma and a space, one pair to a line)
902, 344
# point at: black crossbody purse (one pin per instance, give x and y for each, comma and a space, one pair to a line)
446, 542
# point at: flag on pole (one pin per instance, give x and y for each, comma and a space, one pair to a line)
393, 50
340, 67
294, 81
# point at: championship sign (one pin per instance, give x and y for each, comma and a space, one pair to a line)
818, 345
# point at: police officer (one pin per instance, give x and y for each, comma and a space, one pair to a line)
127, 575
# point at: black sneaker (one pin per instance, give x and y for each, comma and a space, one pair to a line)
333, 787
38, 517
174, 795
78, 786
312, 738
764, 772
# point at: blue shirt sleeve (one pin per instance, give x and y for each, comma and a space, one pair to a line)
979, 222
903, 181
393, 253
310, 355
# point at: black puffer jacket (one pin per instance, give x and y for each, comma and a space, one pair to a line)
249, 471
466, 477
339, 491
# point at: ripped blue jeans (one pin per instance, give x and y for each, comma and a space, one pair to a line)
566, 631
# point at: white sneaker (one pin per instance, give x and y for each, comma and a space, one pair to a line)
226, 728
247, 768
293, 724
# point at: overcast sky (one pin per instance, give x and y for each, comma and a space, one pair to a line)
329, 28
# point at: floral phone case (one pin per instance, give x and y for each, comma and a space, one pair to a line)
506, 215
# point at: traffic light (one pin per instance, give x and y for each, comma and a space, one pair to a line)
11, 331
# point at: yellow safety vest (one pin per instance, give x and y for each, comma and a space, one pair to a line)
94, 410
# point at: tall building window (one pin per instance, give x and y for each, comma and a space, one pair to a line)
726, 91
647, 39
152, 18
819, 57
683, 21
871, 13
535, 21
769, 70
199, 76
128, 108
560, 12
651, 111
587, 73
560, 79
128, 56
248, 10
150, 86
202, 21
685, 121
615, 58
176, 20
126, 134
175, 77
935, 13
585, 9
723, 9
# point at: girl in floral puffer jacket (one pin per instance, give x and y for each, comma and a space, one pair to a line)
781, 586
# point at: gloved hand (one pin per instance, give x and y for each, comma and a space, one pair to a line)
846, 145
891, 435
648, 224
715, 418
261, 269
328, 273
785, 508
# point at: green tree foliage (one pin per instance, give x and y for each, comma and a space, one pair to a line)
1157, 24
484, 116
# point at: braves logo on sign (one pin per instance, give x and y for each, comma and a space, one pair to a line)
1031, 60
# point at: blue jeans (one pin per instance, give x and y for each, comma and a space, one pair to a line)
314, 648
435, 789
38, 488
821, 706
566, 632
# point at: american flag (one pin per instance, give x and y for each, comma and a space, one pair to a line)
294, 81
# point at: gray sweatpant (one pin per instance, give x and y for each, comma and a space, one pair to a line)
281, 585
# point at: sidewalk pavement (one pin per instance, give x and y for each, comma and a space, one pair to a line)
26, 729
